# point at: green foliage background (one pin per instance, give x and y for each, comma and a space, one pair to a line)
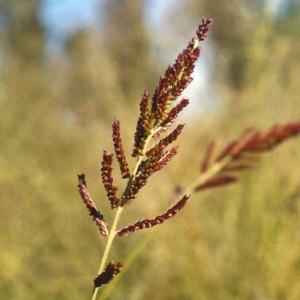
238, 242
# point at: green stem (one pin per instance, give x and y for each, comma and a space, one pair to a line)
113, 230
111, 237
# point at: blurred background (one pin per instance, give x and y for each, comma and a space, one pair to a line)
68, 68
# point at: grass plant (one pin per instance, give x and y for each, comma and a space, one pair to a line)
152, 151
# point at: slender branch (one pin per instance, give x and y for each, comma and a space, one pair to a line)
209, 173
111, 237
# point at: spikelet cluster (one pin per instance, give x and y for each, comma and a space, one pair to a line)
243, 153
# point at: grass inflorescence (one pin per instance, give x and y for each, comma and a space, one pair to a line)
153, 149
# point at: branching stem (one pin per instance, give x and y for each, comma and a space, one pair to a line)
214, 169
